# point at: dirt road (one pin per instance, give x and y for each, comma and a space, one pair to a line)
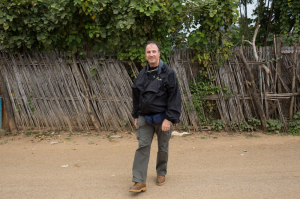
200, 166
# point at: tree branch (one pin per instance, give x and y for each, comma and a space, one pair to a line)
248, 42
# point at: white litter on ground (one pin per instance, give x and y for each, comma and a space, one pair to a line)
180, 134
115, 136
54, 143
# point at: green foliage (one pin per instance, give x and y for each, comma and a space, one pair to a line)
237, 32
233, 125
134, 54
289, 21
294, 126
29, 102
75, 26
244, 126
199, 91
212, 22
31, 128
275, 17
125, 122
93, 72
218, 125
274, 125
186, 127
254, 122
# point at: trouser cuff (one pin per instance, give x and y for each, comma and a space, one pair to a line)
138, 180
162, 173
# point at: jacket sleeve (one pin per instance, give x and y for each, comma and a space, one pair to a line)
135, 101
174, 99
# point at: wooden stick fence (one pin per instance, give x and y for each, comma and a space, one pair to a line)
48, 93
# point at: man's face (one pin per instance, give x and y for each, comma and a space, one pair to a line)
152, 55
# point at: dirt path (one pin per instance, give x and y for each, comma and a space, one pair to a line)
200, 166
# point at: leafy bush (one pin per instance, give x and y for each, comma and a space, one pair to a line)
274, 125
254, 122
294, 126
217, 125
233, 125
76, 26
245, 127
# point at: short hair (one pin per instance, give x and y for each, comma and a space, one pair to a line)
152, 42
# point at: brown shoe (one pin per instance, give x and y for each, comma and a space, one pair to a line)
160, 180
138, 187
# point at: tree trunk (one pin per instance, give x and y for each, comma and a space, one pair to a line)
253, 91
246, 18
260, 2
241, 10
293, 82
268, 24
7, 104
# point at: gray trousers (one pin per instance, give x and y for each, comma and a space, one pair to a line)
145, 133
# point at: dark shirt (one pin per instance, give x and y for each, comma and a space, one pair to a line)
152, 73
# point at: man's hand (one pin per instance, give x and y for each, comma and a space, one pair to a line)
135, 122
166, 125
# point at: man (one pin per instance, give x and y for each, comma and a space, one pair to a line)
156, 105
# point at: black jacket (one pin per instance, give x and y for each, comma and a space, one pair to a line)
159, 95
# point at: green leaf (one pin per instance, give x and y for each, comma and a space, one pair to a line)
93, 73
78, 40
68, 61
179, 9
155, 8
5, 26
115, 11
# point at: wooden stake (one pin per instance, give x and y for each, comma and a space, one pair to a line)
85, 95
293, 82
254, 92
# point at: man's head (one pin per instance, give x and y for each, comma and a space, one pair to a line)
152, 53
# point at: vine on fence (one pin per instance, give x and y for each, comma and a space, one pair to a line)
209, 41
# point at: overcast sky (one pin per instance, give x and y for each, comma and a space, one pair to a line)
250, 8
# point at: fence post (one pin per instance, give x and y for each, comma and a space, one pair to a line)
7, 104
278, 61
0, 112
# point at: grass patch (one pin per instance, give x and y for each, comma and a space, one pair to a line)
249, 135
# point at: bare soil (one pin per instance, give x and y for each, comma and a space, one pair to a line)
201, 165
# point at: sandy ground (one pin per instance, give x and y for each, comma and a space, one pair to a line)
219, 165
